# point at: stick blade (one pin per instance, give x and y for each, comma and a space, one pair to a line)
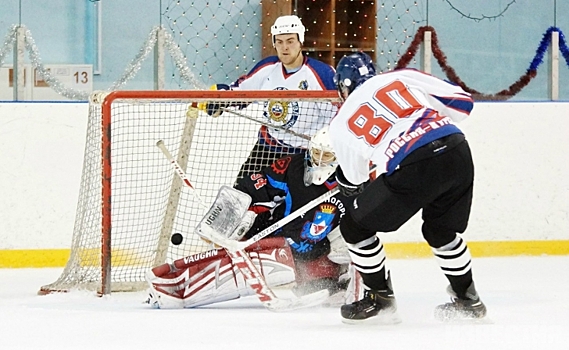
211, 235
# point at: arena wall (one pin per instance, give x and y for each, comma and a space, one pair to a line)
521, 203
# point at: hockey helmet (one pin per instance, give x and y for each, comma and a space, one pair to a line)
321, 161
352, 71
288, 25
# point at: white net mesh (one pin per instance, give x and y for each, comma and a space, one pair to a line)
220, 41
148, 201
399, 20
223, 40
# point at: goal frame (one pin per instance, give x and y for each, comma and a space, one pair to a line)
188, 97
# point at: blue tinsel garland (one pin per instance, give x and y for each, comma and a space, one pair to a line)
544, 44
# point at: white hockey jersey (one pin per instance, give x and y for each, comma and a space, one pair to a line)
301, 117
391, 115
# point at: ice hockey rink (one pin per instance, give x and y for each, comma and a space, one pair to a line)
527, 301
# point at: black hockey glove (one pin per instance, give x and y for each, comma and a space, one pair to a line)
347, 188
215, 108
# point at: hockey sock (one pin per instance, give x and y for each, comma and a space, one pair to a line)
369, 257
454, 259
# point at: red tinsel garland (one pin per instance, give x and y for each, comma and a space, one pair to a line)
503, 95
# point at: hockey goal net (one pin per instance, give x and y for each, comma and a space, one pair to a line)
131, 200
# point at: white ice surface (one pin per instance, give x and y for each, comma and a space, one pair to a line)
527, 300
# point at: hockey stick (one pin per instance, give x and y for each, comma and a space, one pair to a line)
268, 125
232, 245
250, 272
257, 282
160, 144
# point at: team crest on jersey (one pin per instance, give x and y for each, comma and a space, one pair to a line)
278, 110
280, 166
321, 225
303, 85
284, 114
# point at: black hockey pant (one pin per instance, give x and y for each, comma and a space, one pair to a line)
437, 178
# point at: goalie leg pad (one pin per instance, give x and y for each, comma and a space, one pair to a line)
316, 269
316, 275
338, 249
273, 257
355, 289
195, 280
211, 277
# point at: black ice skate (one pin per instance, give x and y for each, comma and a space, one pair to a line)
469, 307
377, 306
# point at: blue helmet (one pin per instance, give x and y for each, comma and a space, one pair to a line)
352, 71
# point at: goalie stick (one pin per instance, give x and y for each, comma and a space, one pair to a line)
160, 144
302, 136
248, 269
232, 245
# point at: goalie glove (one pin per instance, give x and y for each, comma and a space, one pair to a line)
246, 223
347, 188
244, 226
215, 108
226, 214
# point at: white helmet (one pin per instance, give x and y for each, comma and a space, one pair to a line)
288, 25
321, 160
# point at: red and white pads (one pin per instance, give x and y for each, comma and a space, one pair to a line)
210, 277
355, 290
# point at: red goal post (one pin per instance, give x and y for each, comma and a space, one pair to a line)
131, 201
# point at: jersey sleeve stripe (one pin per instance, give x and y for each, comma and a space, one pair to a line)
284, 187
323, 73
463, 105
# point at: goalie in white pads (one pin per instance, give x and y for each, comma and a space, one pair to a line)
307, 251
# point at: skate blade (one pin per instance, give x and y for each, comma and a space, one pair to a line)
382, 319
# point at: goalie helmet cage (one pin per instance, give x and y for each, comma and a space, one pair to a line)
130, 199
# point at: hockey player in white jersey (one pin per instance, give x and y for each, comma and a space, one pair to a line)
403, 122
288, 70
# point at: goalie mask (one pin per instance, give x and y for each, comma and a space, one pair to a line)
320, 162
288, 25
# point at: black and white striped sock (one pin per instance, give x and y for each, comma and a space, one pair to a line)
369, 258
455, 261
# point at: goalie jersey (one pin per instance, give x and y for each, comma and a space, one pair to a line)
279, 190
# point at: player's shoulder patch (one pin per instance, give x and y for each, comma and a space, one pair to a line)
281, 165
